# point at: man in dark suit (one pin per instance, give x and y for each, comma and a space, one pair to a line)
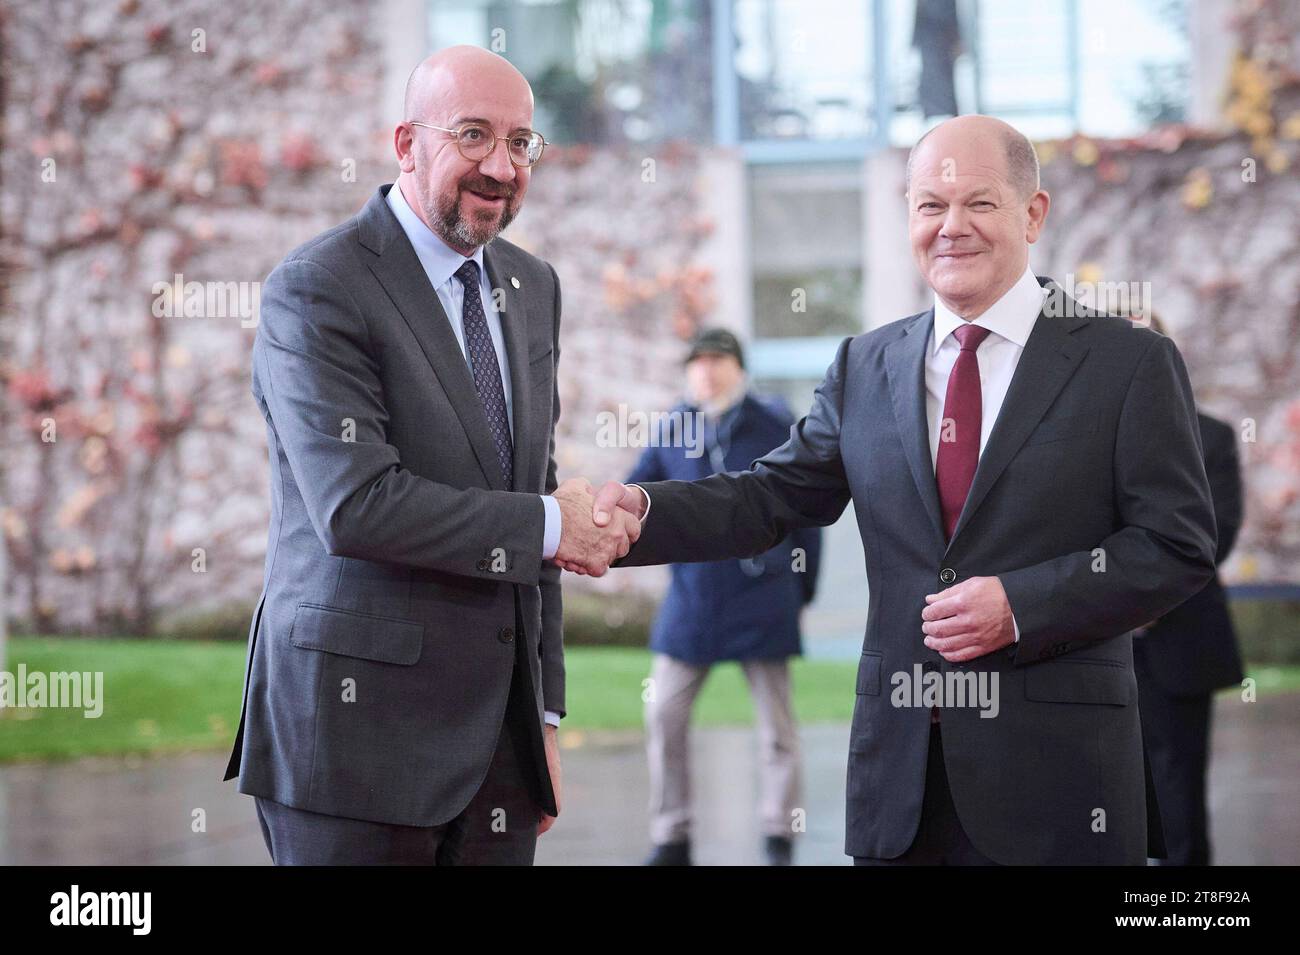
741, 610
1027, 480
1182, 658
406, 650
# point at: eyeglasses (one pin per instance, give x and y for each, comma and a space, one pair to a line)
476, 142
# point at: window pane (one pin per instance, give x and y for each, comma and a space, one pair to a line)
602, 71
1134, 65
804, 69
806, 249
1024, 56
1018, 61
931, 63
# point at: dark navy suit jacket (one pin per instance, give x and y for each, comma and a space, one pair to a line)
1091, 505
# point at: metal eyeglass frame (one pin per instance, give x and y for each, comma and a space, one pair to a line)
491, 132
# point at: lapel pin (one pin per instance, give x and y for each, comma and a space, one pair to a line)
514, 281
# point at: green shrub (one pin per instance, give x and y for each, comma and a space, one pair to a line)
227, 622
592, 620
596, 620
1268, 630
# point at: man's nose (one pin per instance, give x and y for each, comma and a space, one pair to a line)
955, 222
496, 164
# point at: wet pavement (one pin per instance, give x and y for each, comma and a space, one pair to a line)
144, 810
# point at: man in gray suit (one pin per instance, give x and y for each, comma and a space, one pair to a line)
406, 651
1027, 480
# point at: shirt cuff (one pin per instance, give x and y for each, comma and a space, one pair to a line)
552, 719
1015, 626
647, 500
551, 535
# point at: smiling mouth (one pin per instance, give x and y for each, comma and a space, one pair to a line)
956, 255
485, 196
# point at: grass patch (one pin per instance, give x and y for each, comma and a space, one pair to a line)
604, 687
168, 696
159, 696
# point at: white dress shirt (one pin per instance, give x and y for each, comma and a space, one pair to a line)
1009, 320
440, 262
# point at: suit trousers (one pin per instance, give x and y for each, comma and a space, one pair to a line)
498, 827
940, 838
667, 717
1176, 731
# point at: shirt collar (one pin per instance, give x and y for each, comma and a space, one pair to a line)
1012, 316
440, 260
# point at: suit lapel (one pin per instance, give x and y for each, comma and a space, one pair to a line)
905, 367
514, 328
1049, 359
399, 271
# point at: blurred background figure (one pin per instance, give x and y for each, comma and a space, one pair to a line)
1182, 658
742, 610
936, 35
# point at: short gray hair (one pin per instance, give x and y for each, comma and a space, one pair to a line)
1022, 161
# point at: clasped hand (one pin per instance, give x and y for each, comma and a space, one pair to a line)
596, 529
968, 620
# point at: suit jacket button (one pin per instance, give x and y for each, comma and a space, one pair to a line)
507, 635
483, 564
947, 575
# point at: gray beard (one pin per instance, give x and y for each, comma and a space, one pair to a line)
455, 229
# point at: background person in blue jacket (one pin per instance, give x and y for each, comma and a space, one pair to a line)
743, 610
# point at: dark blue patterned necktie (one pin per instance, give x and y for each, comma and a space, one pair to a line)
487, 373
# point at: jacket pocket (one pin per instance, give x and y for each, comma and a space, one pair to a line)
869, 673
1079, 681
1068, 426
350, 633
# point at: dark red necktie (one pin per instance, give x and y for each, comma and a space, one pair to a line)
959, 431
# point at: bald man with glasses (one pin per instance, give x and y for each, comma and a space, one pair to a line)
406, 671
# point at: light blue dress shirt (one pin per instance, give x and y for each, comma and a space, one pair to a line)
440, 263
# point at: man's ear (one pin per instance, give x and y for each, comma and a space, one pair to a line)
404, 146
1039, 203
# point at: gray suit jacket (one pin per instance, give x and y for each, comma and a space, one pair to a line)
401, 574
1090, 503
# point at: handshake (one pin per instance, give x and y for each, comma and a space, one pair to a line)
597, 527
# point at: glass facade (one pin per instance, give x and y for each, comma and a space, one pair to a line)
805, 89
789, 79
603, 72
